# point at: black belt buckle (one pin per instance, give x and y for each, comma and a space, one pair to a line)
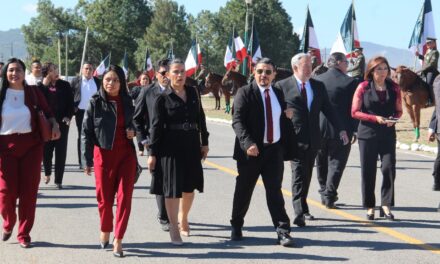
186, 126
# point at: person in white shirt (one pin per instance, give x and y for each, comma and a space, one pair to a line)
83, 87
35, 77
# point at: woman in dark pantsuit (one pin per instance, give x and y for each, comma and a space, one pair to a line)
180, 138
377, 104
59, 96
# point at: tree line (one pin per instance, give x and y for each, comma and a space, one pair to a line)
116, 26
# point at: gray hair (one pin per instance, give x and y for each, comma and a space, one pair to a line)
295, 59
176, 61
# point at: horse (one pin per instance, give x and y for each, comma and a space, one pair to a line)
213, 82
204, 90
236, 79
414, 94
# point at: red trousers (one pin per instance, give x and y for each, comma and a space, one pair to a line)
20, 165
115, 174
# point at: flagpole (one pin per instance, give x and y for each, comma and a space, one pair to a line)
67, 50
84, 48
352, 27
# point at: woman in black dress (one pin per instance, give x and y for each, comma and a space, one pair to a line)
179, 139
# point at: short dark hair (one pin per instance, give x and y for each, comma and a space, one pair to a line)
36, 61
121, 76
87, 62
2, 63
266, 61
46, 67
334, 58
163, 63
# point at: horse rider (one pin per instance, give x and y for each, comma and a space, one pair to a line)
201, 77
357, 69
315, 63
430, 64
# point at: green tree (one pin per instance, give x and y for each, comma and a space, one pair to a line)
115, 26
277, 38
168, 27
204, 28
43, 32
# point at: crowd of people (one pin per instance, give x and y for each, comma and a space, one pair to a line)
299, 119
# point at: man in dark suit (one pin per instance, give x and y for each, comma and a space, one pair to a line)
143, 116
305, 99
333, 155
260, 124
434, 134
83, 87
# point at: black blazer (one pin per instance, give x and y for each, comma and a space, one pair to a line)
144, 110
76, 87
61, 102
248, 122
340, 89
306, 123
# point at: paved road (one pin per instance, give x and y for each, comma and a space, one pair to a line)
66, 229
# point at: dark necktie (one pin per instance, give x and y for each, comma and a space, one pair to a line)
304, 93
269, 122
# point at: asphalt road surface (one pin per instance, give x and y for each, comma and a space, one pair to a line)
66, 228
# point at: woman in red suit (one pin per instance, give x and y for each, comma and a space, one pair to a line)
107, 145
21, 150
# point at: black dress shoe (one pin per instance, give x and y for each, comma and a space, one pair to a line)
299, 221
436, 187
236, 234
59, 186
331, 205
308, 216
118, 254
6, 236
285, 240
104, 244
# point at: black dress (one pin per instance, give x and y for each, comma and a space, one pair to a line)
177, 133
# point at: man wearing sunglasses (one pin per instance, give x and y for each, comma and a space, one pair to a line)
143, 115
305, 99
260, 124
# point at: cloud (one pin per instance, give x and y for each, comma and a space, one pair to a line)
30, 8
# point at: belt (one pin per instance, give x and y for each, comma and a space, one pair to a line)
184, 126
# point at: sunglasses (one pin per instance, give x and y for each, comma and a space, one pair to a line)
162, 73
267, 72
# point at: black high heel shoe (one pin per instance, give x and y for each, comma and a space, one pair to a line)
389, 216
104, 245
370, 217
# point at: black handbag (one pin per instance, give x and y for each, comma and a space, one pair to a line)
44, 126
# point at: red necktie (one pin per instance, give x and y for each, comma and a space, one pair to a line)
304, 93
269, 122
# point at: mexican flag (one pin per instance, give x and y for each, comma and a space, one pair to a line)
348, 37
423, 29
309, 39
105, 63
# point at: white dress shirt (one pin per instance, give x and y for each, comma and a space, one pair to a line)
309, 91
276, 114
16, 117
88, 88
32, 80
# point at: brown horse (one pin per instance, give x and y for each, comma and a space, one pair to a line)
214, 83
320, 69
414, 94
205, 90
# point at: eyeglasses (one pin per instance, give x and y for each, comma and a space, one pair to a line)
267, 72
381, 69
177, 72
162, 73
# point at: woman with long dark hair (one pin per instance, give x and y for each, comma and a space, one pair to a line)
59, 96
21, 149
107, 145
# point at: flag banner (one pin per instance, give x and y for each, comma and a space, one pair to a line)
423, 29
191, 59
309, 39
102, 67
240, 49
229, 60
124, 65
348, 36
148, 65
